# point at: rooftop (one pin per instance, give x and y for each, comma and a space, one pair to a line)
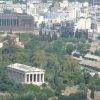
16, 15
5, 42
13, 36
24, 68
91, 56
90, 63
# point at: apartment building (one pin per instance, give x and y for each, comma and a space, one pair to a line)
98, 27
96, 2
9, 5
82, 23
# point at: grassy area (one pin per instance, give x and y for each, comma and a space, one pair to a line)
70, 90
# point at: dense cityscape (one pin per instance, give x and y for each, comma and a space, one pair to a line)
50, 50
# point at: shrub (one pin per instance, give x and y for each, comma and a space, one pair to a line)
44, 85
76, 55
42, 96
61, 87
47, 91
30, 96
31, 87
57, 93
83, 87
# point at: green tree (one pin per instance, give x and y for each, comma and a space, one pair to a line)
86, 34
96, 76
97, 52
49, 37
90, 40
30, 96
98, 37
65, 34
54, 36
9, 49
62, 97
73, 97
10, 40
83, 87
93, 26
3, 87
33, 88
47, 91
22, 57
71, 64
70, 48
42, 25
7, 11
32, 42
40, 33
52, 61
92, 93
42, 96
77, 34
77, 77
82, 95
80, 46
40, 58
87, 77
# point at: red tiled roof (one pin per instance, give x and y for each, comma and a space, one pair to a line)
6, 42
19, 43
13, 36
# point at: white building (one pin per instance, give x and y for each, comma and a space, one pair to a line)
31, 11
16, 5
1, 10
98, 28
64, 4
1, 1
23, 6
26, 74
38, 19
18, 10
85, 4
29, 5
1, 45
9, 5
92, 57
82, 23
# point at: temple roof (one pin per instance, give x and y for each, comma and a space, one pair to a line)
24, 68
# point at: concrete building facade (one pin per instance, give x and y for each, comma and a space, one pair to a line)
26, 74
16, 23
98, 27
96, 2
82, 23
